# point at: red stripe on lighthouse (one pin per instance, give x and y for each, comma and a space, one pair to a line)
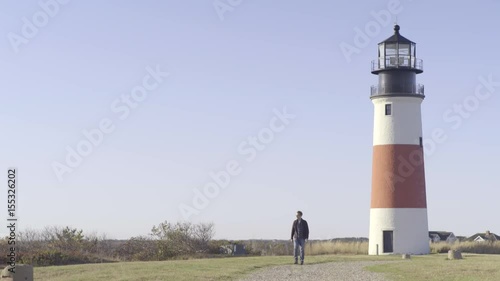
398, 177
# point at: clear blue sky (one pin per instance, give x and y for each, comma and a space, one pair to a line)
227, 75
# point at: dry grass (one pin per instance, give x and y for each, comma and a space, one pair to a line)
467, 247
361, 248
336, 248
314, 247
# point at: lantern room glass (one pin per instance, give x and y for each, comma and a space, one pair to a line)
396, 55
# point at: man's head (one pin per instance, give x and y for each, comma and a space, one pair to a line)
299, 214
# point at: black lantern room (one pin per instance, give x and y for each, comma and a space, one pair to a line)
397, 66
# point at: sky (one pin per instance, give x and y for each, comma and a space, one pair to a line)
117, 115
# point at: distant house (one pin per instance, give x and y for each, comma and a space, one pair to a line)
234, 249
482, 237
442, 236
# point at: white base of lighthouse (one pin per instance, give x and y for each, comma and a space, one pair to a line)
405, 228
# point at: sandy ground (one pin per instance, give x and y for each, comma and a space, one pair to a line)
341, 271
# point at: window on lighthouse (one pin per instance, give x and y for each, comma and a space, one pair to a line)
388, 109
404, 54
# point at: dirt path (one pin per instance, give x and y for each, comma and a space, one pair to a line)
337, 271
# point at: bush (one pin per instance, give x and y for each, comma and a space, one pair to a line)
182, 239
215, 246
60, 246
138, 248
56, 257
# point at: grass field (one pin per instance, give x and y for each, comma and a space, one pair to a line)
438, 268
432, 267
201, 269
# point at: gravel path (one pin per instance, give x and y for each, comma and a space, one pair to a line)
337, 271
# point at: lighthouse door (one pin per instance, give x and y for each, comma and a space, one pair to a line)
388, 239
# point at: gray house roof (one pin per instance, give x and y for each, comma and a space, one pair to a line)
484, 236
443, 235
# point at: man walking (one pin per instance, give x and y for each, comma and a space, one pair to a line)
300, 233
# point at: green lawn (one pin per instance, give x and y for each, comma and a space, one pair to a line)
438, 268
201, 269
429, 268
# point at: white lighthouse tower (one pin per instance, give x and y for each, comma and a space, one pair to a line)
398, 213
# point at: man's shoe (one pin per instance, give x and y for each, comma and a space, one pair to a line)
295, 262
301, 262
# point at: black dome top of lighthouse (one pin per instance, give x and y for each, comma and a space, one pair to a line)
397, 37
397, 53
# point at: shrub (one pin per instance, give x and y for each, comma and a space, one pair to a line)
138, 248
182, 239
60, 246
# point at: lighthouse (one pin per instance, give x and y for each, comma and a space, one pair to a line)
398, 211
